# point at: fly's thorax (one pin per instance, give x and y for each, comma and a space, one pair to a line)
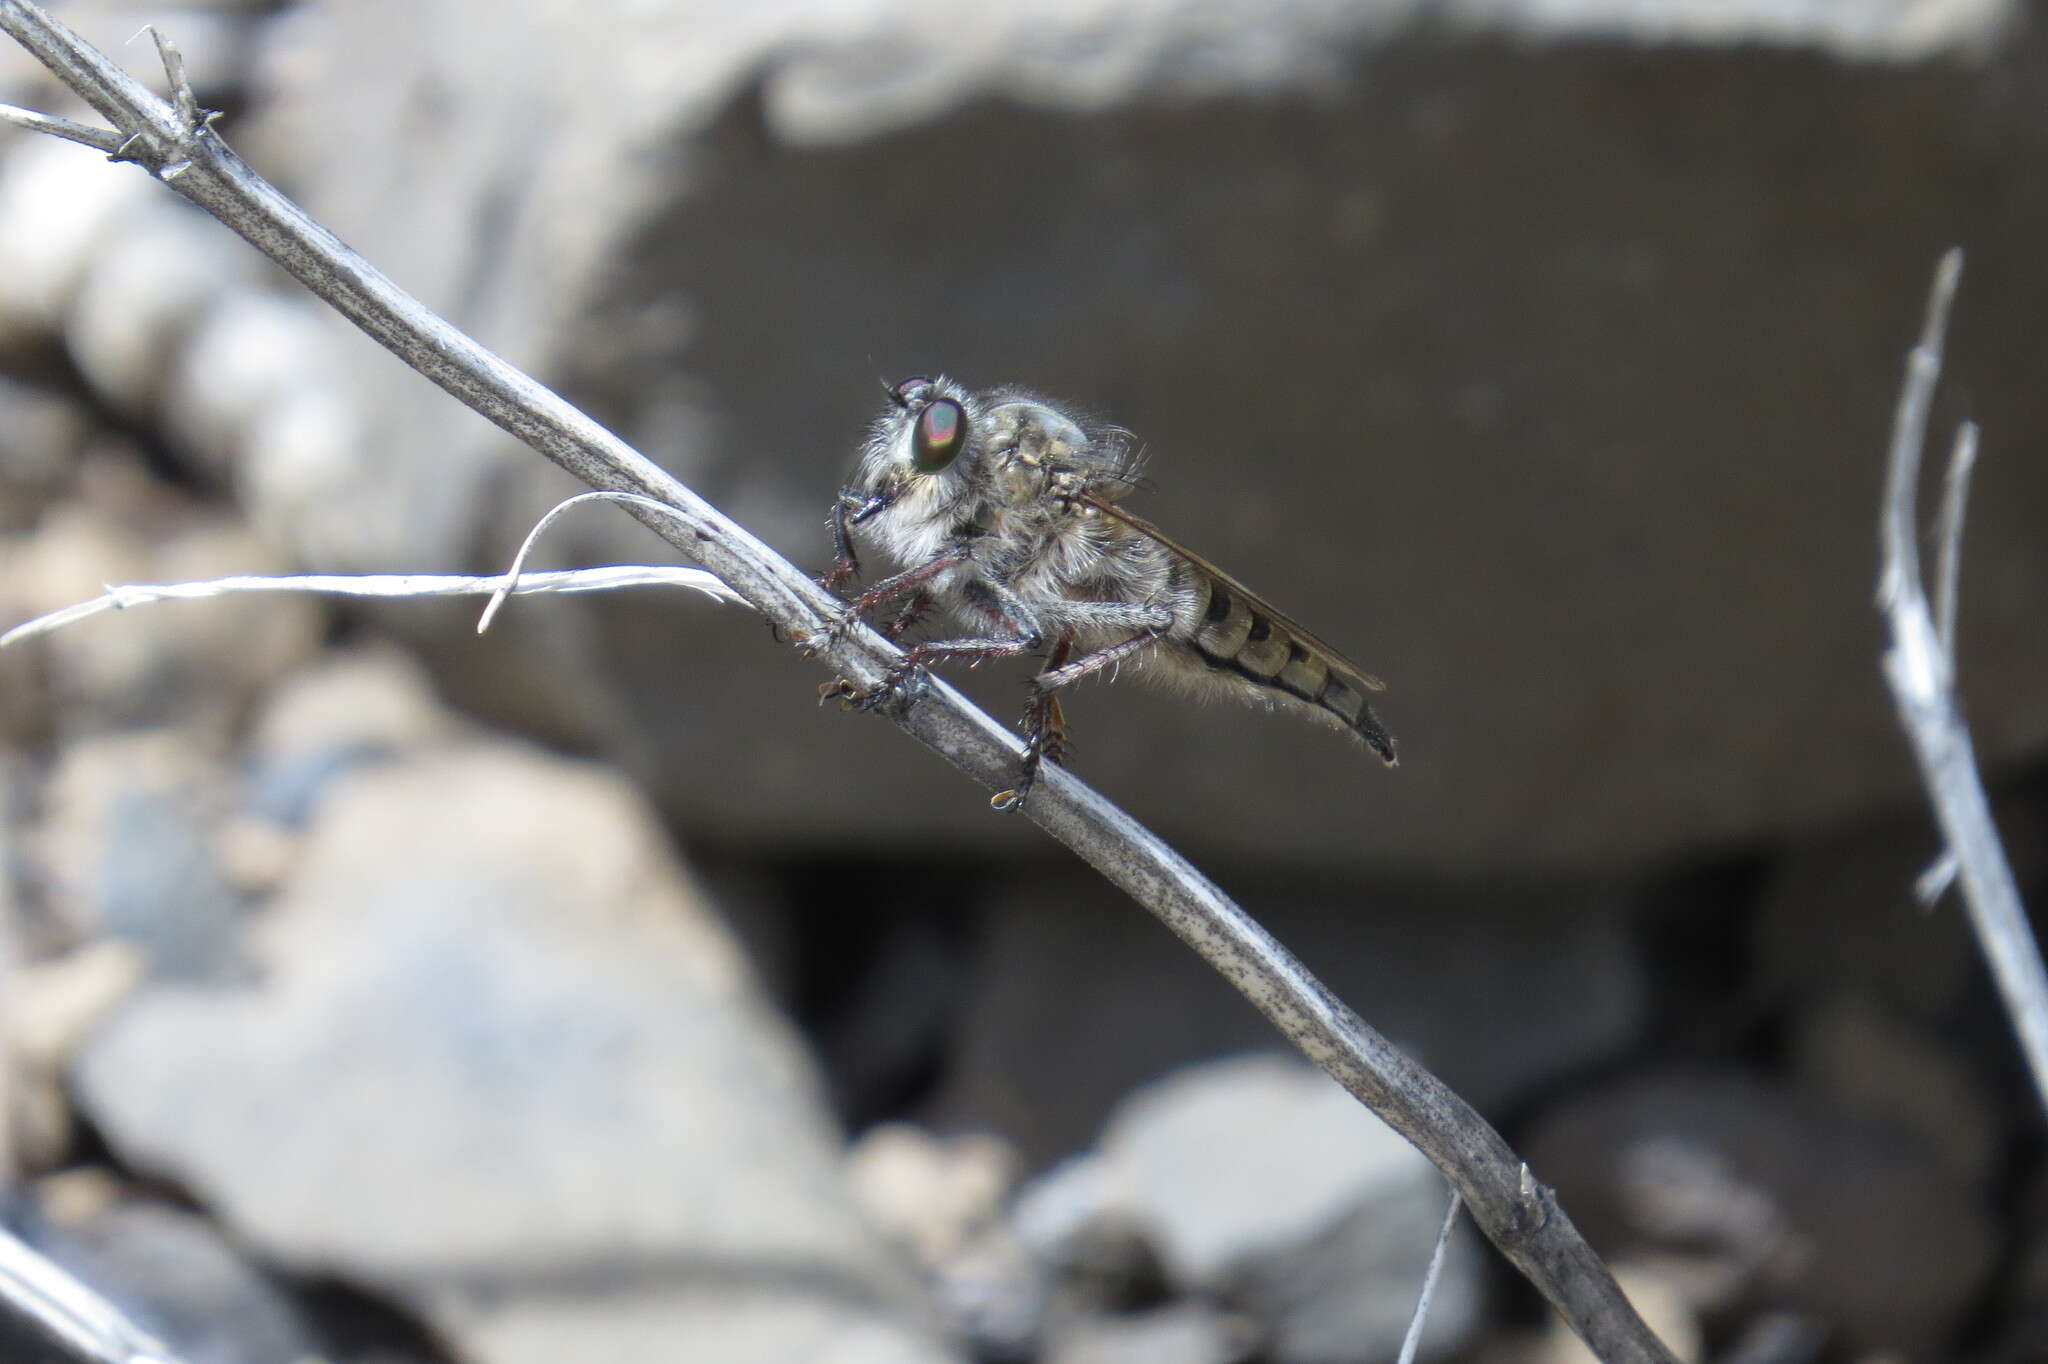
1034, 434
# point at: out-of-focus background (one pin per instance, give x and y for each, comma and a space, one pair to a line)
381, 994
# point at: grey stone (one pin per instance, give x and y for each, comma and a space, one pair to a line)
1472, 354
1077, 995
125, 848
1876, 1063
1767, 1199
505, 1066
41, 437
356, 707
1263, 1183
1182, 1333
942, 1199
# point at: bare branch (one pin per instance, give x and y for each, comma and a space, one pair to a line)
1920, 666
98, 138
174, 74
70, 1324
1522, 1218
1955, 494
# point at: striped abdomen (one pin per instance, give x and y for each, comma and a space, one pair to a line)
1240, 635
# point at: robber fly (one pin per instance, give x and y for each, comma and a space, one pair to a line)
1002, 508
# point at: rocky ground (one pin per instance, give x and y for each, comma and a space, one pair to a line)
376, 994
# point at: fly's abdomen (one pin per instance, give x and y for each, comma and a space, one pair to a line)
1236, 637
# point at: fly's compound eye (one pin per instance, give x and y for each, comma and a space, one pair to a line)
936, 438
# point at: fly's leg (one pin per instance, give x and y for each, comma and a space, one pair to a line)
911, 614
913, 582
845, 563
1004, 611
1061, 674
975, 651
849, 509
909, 581
1045, 734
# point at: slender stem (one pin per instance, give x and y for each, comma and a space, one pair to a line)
1519, 1214
1412, 1342
34, 122
1955, 497
1920, 666
58, 1319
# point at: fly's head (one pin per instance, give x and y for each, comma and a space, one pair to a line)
943, 462
921, 473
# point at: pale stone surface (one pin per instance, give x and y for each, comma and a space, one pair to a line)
1260, 1180
505, 1065
1436, 340
1550, 377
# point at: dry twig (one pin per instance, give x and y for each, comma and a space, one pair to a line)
1921, 668
1412, 1342
55, 1318
1515, 1211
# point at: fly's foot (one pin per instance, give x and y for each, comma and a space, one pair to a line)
1045, 745
843, 571
903, 680
831, 636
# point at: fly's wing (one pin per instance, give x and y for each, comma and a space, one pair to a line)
1242, 633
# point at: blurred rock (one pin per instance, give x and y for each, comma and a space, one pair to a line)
371, 696
149, 285
505, 1066
1749, 1198
125, 850
1521, 384
931, 1193
1466, 975
1073, 1219
346, 710
1874, 1063
50, 1007
1183, 1333
1777, 1338
1265, 1186
58, 209
943, 1199
173, 1275
53, 1005
176, 322
200, 664
41, 435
